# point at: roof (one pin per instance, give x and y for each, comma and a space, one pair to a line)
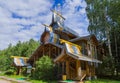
73, 51
58, 21
83, 38
41, 48
69, 30
20, 61
86, 38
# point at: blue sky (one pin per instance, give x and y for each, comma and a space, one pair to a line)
20, 20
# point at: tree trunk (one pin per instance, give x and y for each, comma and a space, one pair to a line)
116, 62
108, 40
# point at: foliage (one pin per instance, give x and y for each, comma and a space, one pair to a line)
20, 49
106, 68
2, 62
104, 22
9, 72
44, 69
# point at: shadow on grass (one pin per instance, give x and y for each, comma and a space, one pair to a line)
103, 81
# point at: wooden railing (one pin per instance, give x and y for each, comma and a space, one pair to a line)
84, 75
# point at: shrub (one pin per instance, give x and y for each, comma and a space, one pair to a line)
44, 69
9, 72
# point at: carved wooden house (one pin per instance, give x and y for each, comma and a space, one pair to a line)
75, 56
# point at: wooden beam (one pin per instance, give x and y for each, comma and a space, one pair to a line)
64, 41
45, 25
19, 57
57, 14
87, 69
67, 69
49, 51
62, 68
78, 68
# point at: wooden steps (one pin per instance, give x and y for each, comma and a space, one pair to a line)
83, 77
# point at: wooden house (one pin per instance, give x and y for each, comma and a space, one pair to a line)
76, 57
19, 63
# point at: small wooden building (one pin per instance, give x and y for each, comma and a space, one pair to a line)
75, 56
19, 63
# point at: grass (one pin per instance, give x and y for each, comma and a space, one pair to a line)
1, 73
41, 81
102, 81
15, 76
20, 77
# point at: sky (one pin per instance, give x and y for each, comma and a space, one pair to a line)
21, 20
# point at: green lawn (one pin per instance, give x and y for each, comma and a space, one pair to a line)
20, 77
102, 81
41, 81
15, 76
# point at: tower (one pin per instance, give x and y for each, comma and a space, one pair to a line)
57, 29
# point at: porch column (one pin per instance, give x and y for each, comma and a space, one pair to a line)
87, 68
78, 67
67, 69
63, 68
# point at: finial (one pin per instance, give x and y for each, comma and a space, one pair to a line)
58, 8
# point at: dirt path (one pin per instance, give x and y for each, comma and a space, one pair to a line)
4, 81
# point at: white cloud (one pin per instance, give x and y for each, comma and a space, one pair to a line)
15, 14
75, 14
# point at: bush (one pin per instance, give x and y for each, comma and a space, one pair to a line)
9, 72
44, 69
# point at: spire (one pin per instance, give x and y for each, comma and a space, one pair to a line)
45, 29
57, 17
58, 8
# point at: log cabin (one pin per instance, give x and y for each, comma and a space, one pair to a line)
75, 56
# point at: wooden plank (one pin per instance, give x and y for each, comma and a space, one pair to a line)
57, 14
87, 68
67, 69
62, 68
78, 67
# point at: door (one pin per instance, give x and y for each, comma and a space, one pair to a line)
72, 70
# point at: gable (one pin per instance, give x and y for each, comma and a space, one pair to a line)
73, 50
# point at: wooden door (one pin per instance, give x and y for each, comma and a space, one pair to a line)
72, 70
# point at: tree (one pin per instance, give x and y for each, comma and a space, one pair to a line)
104, 22
23, 49
44, 69
99, 20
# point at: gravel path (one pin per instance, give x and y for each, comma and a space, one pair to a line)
4, 81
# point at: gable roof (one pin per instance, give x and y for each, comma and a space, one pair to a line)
86, 38
20, 61
73, 51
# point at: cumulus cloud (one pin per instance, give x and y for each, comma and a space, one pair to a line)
21, 20
75, 14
